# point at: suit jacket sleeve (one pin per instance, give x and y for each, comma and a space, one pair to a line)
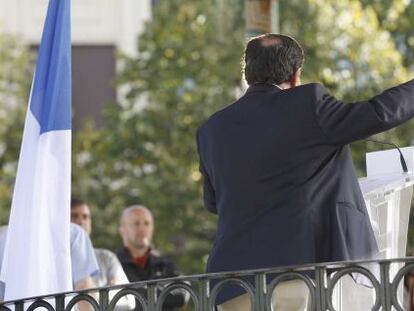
208, 190
343, 123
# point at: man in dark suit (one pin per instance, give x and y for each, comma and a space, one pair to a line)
278, 170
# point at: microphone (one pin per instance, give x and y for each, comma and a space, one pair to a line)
402, 160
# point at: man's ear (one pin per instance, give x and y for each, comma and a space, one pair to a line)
295, 79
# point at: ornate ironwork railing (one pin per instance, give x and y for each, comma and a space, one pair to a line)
386, 278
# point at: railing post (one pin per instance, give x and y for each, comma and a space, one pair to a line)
60, 303
204, 295
19, 305
103, 299
152, 297
385, 286
260, 292
320, 292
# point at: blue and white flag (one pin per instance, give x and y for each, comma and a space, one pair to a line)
37, 252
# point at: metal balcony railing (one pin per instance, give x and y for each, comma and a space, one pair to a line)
151, 295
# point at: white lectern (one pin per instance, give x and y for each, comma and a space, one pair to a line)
387, 193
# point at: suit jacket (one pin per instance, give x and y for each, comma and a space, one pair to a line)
278, 172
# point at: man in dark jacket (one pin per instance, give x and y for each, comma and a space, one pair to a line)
138, 260
278, 170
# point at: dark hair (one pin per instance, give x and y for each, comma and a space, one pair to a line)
272, 58
76, 202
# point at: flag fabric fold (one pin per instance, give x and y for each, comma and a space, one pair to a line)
37, 251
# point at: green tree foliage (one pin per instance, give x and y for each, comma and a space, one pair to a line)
396, 16
14, 89
188, 66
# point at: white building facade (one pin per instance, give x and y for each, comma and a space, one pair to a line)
100, 28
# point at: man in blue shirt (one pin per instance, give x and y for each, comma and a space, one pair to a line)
84, 264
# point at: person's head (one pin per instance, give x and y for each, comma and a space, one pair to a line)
136, 227
80, 214
274, 59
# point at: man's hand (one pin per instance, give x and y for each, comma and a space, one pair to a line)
85, 283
